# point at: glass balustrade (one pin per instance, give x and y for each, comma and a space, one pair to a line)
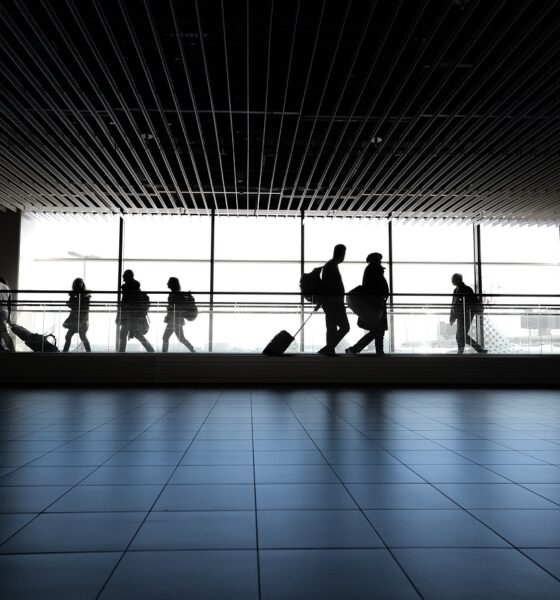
245, 323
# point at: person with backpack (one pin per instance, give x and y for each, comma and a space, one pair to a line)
5, 315
333, 301
376, 291
133, 314
78, 320
464, 305
178, 305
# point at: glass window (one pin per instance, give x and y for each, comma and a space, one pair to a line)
157, 247
55, 250
520, 260
516, 244
360, 236
432, 242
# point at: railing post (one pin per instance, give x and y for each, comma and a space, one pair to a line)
391, 288
211, 303
119, 278
302, 267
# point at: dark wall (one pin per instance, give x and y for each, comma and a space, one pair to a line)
10, 225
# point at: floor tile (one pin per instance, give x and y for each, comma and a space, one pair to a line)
547, 456
548, 490
55, 576
75, 532
548, 559
207, 497
236, 457
457, 474
107, 498
196, 575
398, 495
315, 529
246, 445
295, 474
305, 457
303, 496
124, 458
213, 474
492, 495
484, 574
332, 575
9, 524
499, 457
524, 528
360, 457
218, 530
72, 459
529, 473
17, 459
432, 529
166, 445
376, 474
145, 475
29, 476
29, 499
429, 457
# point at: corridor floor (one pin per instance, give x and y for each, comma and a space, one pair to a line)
279, 494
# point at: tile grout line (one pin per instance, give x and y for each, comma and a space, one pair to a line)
462, 508
70, 488
149, 512
420, 595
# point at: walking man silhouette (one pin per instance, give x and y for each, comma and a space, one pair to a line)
333, 301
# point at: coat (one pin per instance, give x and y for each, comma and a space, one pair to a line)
78, 319
375, 284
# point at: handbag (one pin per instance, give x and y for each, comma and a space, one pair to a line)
368, 307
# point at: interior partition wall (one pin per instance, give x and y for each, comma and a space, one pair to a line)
245, 271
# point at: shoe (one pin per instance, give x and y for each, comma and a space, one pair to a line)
351, 350
483, 351
327, 351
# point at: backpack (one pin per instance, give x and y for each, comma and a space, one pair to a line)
144, 303
476, 304
311, 285
187, 307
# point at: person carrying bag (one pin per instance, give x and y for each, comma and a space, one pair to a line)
369, 303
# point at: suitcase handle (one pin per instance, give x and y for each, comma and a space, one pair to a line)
305, 322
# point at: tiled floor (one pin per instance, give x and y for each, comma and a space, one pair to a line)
278, 493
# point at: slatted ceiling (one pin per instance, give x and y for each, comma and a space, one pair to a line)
371, 108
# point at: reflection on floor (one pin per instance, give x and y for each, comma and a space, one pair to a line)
278, 493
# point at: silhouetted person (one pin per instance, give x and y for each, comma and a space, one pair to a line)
133, 318
376, 288
78, 320
333, 301
464, 300
175, 318
5, 314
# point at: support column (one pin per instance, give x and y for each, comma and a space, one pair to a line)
391, 288
211, 303
477, 245
301, 269
119, 277
10, 234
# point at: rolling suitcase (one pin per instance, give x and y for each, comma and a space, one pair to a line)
280, 342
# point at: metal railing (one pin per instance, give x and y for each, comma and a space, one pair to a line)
240, 322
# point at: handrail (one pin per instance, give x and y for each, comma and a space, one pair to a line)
245, 293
